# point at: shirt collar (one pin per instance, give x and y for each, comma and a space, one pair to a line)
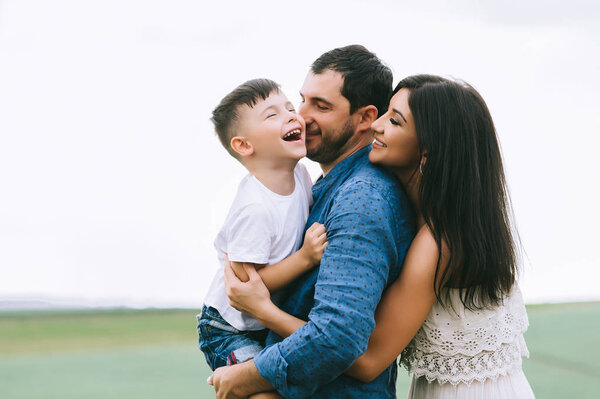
340, 172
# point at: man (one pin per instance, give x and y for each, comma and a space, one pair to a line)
369, 228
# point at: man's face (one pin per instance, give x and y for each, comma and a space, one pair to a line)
329, 126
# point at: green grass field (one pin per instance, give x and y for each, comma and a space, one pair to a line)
153, 354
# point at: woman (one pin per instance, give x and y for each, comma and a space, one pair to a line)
455, 313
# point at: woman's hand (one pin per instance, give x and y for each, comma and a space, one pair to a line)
251, 297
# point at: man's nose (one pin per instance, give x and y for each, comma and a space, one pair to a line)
303, 112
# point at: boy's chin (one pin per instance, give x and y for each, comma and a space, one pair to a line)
301, 156
298, 155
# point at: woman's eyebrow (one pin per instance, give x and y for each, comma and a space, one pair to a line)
399, 113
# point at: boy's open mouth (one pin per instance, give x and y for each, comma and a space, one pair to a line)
293, 135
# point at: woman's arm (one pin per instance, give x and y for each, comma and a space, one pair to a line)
280, 274
402, 309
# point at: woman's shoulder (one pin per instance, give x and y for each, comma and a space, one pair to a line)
424, 239
424, 251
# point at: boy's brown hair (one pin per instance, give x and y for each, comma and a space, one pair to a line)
226, 115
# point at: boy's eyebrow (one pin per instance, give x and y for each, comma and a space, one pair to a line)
270, 107
399, 113
319, 99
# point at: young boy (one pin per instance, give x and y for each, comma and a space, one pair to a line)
260, 128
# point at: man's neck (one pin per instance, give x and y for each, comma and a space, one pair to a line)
280, 180
326, 168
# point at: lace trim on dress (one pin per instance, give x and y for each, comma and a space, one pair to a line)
464, 346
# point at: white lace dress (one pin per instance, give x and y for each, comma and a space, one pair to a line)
470, 354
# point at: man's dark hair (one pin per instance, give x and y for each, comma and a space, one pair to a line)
367, 80
226, 115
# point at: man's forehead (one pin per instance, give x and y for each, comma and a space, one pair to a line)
327, 84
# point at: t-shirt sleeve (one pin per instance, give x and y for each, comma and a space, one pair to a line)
249, 235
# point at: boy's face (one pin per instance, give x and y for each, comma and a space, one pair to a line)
274, 129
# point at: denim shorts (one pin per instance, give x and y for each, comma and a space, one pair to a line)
223, 344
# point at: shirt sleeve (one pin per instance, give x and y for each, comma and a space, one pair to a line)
353, 274
248, 235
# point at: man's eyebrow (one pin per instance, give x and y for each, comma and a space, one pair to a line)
399, 113
319, 99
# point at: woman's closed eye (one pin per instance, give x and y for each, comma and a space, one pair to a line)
395, 122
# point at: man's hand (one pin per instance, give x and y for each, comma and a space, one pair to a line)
223, 383
251, 297
238, 381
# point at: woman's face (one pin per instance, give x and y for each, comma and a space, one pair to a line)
395, 144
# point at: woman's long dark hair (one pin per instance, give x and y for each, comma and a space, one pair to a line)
462, 194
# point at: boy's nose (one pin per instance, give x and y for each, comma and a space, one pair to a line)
293, 116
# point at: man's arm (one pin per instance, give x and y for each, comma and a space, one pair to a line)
403, 308
354, 271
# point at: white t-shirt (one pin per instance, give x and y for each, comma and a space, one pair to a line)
262, 227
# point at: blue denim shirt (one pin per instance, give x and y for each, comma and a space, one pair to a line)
369, 228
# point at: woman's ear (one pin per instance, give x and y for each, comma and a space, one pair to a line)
422, 162
368, 115
242, 146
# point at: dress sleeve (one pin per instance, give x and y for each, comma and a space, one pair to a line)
353, 273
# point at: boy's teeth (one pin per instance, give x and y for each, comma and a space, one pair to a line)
292, 132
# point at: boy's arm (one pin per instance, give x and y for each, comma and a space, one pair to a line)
252, 297
308, 256
280, 274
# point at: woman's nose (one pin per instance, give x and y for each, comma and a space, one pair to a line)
377, 126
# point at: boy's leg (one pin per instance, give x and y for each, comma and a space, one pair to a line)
211, 339
247, 345
223, 344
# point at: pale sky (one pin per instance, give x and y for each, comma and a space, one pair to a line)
113, 184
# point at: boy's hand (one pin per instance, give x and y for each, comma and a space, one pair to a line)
315, 241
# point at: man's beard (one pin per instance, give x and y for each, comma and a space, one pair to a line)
332, 145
